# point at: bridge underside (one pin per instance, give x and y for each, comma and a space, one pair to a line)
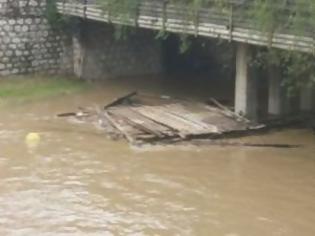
217, 23
220, 26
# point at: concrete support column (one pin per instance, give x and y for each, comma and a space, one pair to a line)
245, 84
276, 93
307, 99
78, 52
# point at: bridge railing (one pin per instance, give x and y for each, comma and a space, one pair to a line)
234, 21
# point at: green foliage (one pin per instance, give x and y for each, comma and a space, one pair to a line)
51, 13
297, 69
56, 20
28, 88
186, 42
125, 11
162, 34
266, 15
296, 17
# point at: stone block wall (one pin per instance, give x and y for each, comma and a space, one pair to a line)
28, 44
98, 55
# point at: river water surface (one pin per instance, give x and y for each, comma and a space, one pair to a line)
76, 182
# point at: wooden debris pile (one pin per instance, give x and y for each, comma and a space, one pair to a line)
162, 120
169, 120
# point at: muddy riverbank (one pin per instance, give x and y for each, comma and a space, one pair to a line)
77, 182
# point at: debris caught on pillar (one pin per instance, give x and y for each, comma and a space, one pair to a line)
142, 119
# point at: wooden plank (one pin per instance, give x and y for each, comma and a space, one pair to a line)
67, 114
212, 116
133, 135
120, 100
228, 112
215, 118
243, 144
141, 122
158, 116
181, 112
224, 123
125, 130
184, 127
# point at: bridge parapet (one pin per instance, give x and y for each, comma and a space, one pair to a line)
233, 22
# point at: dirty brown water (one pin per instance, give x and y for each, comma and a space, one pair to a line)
76, 182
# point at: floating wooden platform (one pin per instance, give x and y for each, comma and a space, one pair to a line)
171, 121
146, 119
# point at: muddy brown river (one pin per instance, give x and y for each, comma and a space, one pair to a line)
77, 182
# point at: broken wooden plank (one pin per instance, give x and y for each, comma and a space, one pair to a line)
182, 126
223, 122
166, 119
241, 144
132, 133
181, 112
141, 122
170, 130
214, 116
120, 100
111, 131
229, 112
82, 112
120, 126
67, 114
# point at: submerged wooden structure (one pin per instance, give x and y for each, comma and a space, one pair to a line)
140, 120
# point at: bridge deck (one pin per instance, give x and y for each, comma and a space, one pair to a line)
232, 23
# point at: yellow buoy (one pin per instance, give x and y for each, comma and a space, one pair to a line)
32, 139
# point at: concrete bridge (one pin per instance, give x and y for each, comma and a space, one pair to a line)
232, 23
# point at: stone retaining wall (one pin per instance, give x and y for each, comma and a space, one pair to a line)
28, 44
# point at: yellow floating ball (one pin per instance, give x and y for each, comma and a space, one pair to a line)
32, 139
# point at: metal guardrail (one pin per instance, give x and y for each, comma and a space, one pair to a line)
233, 22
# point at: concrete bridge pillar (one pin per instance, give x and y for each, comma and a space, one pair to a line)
276, 93
78, 51
245, 84
307, 98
